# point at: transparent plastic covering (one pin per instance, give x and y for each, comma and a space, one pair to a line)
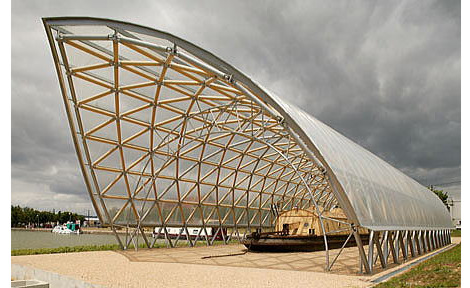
168, 134
383, 198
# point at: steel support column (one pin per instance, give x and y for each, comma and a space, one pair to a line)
385, 246
380, 254
404, 248
394, 246
411, 237
362, 254
371, 251
418, 243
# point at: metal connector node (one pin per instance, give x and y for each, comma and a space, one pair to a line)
229, 78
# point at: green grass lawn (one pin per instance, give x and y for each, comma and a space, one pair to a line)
455, 233
19, 252
442, 270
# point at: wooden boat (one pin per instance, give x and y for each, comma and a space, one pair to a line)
300, 230
275, 242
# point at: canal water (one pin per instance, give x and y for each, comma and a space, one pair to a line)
38, 239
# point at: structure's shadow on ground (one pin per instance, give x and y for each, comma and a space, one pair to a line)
237, 256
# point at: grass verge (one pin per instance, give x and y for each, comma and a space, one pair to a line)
456, 233
108, 247
442, 270
19, 252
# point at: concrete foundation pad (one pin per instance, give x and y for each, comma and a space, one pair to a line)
29, 284
24, 275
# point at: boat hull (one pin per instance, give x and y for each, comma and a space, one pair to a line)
289, 243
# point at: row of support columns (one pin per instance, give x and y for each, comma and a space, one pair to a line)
399, 245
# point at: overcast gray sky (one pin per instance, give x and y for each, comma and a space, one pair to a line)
384, 73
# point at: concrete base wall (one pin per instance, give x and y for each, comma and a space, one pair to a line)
29, 284
20, 272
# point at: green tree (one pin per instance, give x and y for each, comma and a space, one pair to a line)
23, 216
441, 194
16, 216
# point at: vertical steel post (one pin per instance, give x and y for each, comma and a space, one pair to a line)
405, 245
362, 254
379, 251
392, 239
418, 243
385, 246
438, 238
397, 246
412, 243
371, 250
425, 244
429, 240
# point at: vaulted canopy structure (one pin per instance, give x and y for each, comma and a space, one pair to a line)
168, 134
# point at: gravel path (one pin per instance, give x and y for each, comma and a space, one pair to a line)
112, 269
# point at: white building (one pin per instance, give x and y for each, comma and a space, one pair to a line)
454, 205
91, 221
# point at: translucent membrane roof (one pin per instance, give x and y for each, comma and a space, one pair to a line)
169, 134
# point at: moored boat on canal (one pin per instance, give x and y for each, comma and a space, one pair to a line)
68, 228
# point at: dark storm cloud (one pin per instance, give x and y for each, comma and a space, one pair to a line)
385, 74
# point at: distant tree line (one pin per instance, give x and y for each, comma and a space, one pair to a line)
24, 216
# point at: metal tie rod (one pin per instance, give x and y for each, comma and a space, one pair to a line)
66, 37
160, 48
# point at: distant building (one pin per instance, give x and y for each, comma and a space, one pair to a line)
455, 213
92, 221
